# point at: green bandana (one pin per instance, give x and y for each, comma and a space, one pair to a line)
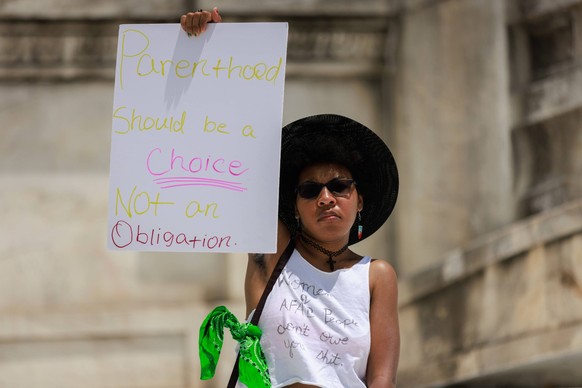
253, 371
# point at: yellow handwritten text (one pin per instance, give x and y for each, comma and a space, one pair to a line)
144, 64
194, 208
136, 121
139, 204
211, 126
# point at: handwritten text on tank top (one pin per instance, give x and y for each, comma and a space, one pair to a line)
303, 319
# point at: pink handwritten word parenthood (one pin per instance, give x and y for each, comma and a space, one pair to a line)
196, 135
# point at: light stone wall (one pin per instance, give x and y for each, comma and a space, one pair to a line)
500, 306
138, 346
485, 236
505, 310
452, 128
72, 313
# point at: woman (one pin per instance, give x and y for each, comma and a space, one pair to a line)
331, 318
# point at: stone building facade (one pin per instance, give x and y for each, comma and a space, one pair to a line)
481, 103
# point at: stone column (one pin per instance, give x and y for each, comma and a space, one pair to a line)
452, 128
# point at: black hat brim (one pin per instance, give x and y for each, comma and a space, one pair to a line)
339, 139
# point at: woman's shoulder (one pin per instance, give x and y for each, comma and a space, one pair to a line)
381, 265
381, 271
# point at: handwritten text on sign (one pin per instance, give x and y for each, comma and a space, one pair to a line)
196, 136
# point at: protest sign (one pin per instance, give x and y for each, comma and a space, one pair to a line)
196, 134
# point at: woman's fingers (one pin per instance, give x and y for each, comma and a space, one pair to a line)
205, 18
216, 18
183, 23
190, 22
194, 23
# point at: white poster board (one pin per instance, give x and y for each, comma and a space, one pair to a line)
196, 136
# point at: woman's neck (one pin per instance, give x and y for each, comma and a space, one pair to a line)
332, 253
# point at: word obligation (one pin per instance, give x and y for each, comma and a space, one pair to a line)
142, 63
124, 234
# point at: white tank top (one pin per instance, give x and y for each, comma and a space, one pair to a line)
316, 326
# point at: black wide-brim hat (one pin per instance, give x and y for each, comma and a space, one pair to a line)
338, 139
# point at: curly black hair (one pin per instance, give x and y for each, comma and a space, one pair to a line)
336, 139
322, 148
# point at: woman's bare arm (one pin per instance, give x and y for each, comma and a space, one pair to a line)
384, 327
260, 266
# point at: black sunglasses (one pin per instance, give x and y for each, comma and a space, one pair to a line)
338, 187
